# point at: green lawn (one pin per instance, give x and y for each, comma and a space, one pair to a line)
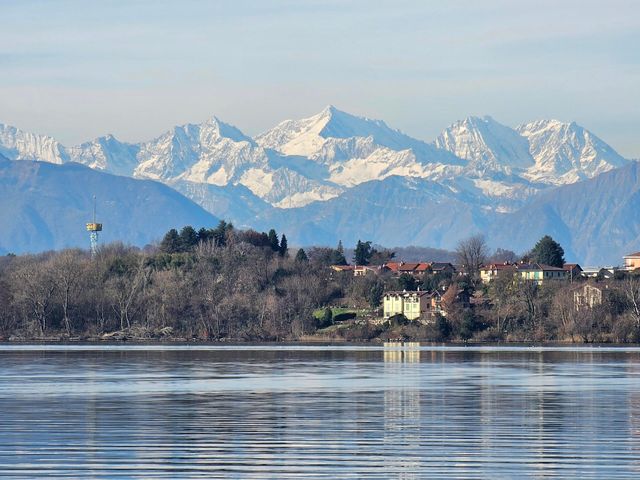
335, 311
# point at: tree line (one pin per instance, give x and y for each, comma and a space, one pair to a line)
225, 283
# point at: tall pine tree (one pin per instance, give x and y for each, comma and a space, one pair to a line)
548, 252
362, 253
282, 251
171, 242
274, 243
301, 256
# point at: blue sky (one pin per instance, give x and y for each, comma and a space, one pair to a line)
77, 69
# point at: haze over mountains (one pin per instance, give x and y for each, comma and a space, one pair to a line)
45, 206
338, 176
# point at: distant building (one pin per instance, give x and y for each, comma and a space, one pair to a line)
442, 267
342, 268
587, 296
600, 272
358, 270
573, 270
489, 272
411, 268
632, 261
540, 273
528, 271
413, 305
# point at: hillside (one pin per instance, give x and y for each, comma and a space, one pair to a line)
45, 206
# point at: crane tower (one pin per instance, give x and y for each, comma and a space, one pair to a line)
93, 228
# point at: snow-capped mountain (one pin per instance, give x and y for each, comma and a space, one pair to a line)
320, 157
106, 153
488, 146
20, 145
216, 153
566, 153
356, 149
305, 174
514, 164
319, 138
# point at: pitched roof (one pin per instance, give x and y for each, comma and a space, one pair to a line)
637, 254
393, 266
498, 266
538, 267
342, 268
571, 266
440, 265
419, 293
407, 267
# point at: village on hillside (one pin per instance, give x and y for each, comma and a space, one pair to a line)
429, 293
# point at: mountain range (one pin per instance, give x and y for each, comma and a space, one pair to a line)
339, 176
45, 206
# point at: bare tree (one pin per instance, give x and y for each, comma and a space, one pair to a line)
125, 289
472, 252
632, 293
35, 287
67, 268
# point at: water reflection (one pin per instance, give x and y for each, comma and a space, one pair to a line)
321, 413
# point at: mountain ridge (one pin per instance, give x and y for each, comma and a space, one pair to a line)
335, 165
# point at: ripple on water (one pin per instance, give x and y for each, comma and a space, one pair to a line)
319, 413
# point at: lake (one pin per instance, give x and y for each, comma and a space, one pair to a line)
318, 412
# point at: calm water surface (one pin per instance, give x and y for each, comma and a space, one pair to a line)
318, 412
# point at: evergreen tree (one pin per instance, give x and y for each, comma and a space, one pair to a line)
374, 295
204, 235
188, 238
301, 256
274, 243
282, 251
221, 232
442, 328
171, 242
407, 282
340, 248
362, 253
327, 317
548, 252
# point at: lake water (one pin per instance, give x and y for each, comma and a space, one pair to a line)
318, 412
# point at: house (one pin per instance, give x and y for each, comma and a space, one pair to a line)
358, 270
573, 270
342, 268
632, 261
411, 268
587, 296
413, 305
540, 273
441, 267
600, 272
489, 272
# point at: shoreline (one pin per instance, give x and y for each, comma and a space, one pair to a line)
307, 341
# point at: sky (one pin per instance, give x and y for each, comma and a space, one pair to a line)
76, 70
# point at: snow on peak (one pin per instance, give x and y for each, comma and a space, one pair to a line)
328, 135
486, 144
16, 144
106, 153
322, 156
225, 130
566, 152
